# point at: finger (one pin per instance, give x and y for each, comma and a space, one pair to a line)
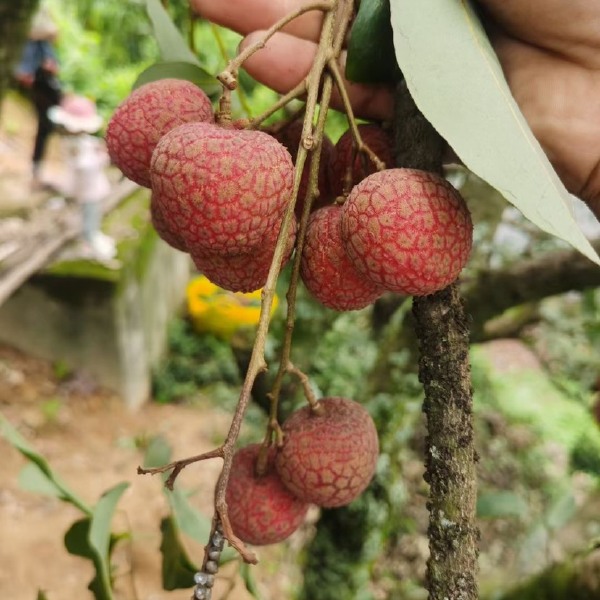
245, 16
569, 27
286, 60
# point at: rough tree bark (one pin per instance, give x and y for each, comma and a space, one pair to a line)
14, 23
442, 330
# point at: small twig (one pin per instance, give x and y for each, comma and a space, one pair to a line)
309, 394
178, 465
293, 94
228, 78
360, 146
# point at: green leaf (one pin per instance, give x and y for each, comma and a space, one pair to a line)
192, 522
180, 70
172, 45
44, 470
32, 479
371, 57
247, 575
561, 511
187, 519
157, 453
177, 569
41, 595
100, 527
77, 543
457, 82
497, 505
99, 538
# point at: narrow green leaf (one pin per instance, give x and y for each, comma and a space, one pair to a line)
189, 520
457, 82
41, 595
62, 491
100, 527
77, 543
193, 523
157, 453
171, 43
249, 581
180, 70
371, 57
32, 479
497, 505
177, 569
99, 538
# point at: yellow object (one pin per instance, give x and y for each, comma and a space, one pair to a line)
215, 310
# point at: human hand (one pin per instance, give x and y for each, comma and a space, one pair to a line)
549, 51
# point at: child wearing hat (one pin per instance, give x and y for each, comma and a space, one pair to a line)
86, 158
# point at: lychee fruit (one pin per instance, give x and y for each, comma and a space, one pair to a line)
327, 272
378, 140
328, 456
145, 116
260, 508
407, 230
290, 137
244, 272
227, 188
167, 230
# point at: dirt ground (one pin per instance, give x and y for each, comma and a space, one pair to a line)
90, 441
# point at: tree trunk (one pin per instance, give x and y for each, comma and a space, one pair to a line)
15, 16
442, 330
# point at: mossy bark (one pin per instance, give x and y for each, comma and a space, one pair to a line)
442, 329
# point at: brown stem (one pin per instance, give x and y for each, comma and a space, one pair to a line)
442, 330
293, 94
228, 78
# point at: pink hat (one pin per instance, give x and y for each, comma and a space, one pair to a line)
76, 114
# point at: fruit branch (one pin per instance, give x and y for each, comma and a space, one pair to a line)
359, 145
442, 329
257, 361
228, 78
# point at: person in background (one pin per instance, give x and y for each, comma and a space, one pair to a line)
86, 158
37, 72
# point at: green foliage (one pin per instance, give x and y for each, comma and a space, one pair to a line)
371, 56
193, 361
451, 71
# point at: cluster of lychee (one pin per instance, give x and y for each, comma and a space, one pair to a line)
219, 192
327, 459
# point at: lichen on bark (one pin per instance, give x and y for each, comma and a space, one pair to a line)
442, 329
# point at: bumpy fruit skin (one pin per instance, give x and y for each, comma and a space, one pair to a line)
290, 137
327, 272
164, 228
328, 459
261, 510
407, 230
145, 116
225, 189
376, 138
244, 272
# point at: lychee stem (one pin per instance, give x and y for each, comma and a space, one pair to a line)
228, 77
359, 145
293, 94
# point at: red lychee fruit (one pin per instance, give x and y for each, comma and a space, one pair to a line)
379, 140
290, 137
145, 116
328, 459
261, 509
327, 272
407, 230
244, 272
226, 188
167, 230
